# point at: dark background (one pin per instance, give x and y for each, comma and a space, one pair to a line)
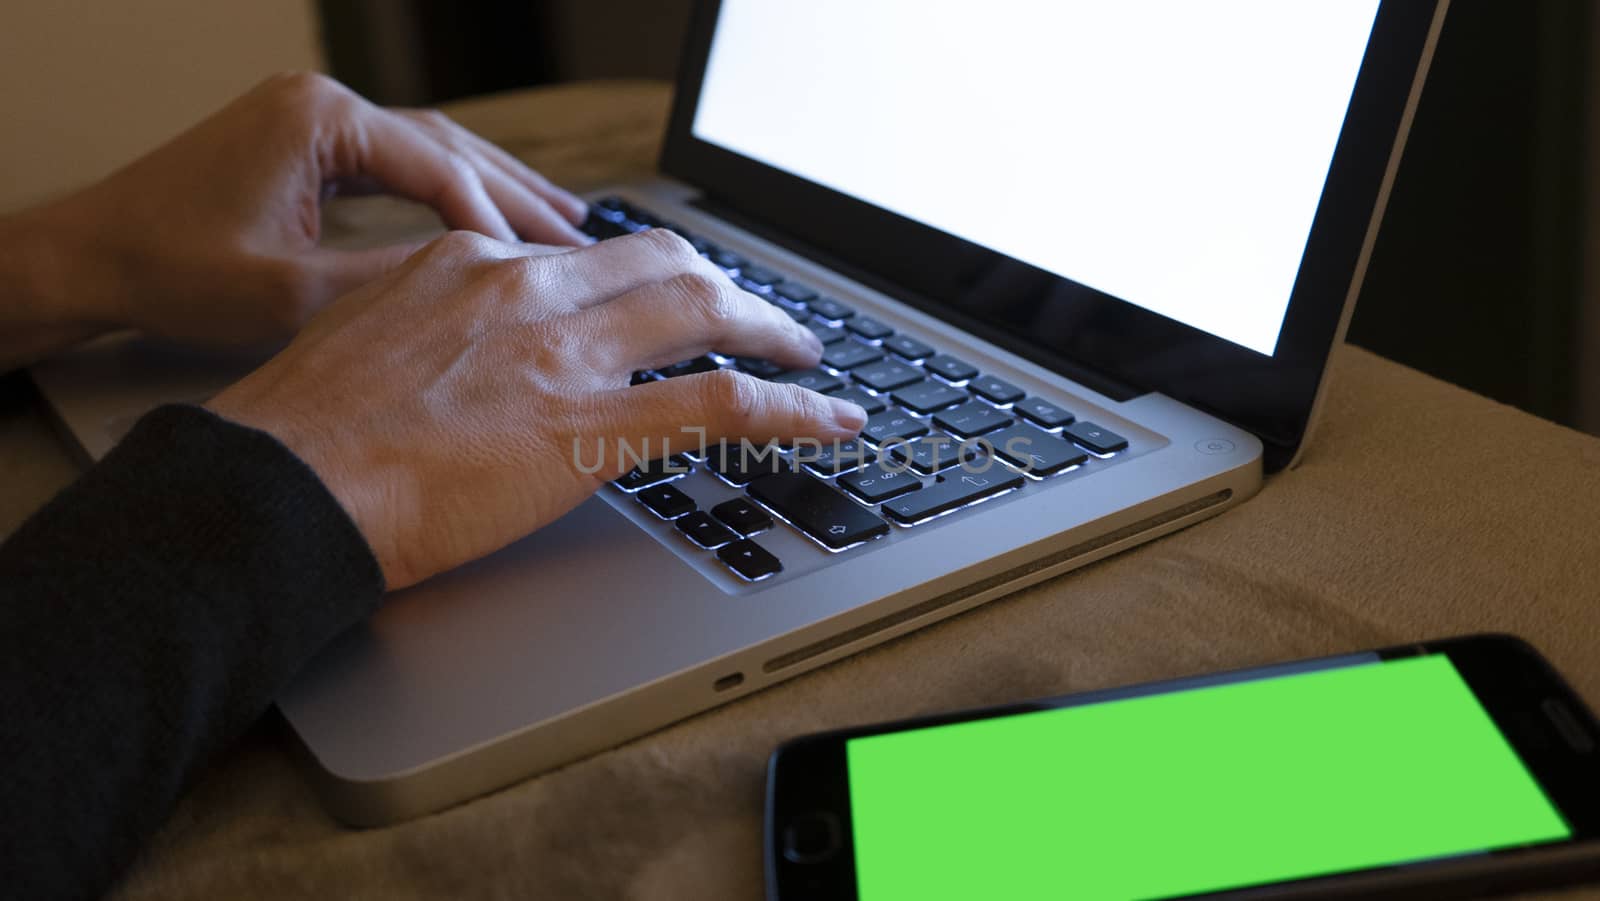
1478, 275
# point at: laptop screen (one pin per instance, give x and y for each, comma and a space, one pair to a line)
1168, 153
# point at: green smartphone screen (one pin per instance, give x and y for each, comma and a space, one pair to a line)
1193, 790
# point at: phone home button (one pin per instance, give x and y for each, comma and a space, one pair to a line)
811, 837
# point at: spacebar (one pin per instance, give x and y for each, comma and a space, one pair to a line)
957, 490
816, 509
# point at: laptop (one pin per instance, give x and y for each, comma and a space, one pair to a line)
1129, 233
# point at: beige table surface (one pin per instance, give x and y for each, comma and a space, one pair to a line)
1420, 511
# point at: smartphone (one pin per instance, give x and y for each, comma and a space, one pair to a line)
1448, 768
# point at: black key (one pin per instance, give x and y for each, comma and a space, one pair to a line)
613, 208
908, 347
761, 275
869, 402
727, 259
689, 367
887, 375
995, 390
705, 531
739, 464
761, 369
834, 457
666, 501
815, 379
850, 354
828, 308
643, 219
742, 516
869, 328
879, 483
795, 293
1042, 412
948, 367
602, 226
971, 419
925, 397
1100, 440
958, 489
749, 560
827, 334
932, 453
653, 472
816, 509
1036, 452
893, 423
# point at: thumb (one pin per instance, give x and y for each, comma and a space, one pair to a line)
344, 271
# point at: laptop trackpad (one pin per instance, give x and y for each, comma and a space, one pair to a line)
586, 607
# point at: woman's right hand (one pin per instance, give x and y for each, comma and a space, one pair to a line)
445, 404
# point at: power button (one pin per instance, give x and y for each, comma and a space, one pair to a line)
1214, 446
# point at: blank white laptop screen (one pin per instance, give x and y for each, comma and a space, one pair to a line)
1166, 152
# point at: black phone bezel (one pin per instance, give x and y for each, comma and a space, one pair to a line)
1115, 347
1508, 675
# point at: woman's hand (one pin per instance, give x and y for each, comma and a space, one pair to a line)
457, 404
212, 238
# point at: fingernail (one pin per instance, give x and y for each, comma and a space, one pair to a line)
848, 416
811, 339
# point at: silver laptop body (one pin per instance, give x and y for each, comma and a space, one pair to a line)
611, 622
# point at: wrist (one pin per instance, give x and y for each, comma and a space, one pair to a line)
57, 271
357, 484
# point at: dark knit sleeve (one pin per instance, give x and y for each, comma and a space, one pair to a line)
148, 615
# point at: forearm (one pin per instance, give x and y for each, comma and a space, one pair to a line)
148, 615
58, 285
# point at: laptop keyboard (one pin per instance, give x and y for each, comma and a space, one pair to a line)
941, 435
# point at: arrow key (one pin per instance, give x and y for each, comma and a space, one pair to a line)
666, 501
705, 531
750, 560
742, 516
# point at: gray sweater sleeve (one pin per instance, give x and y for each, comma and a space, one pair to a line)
148, 615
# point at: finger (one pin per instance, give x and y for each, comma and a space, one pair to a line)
454, 133
567, 203
612, 268
454, 258
396, 152
727, 405
689, 315
532, 217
